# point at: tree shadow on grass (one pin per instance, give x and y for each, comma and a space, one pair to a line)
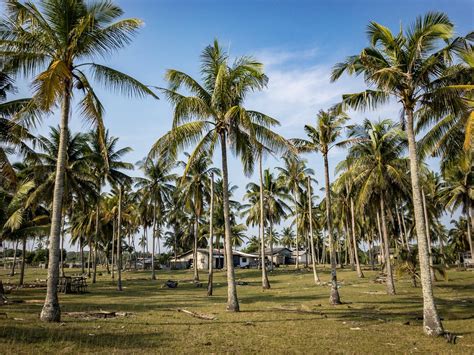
55, 334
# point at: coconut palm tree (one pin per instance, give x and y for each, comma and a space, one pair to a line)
194, 190
322, 138
155, 190
458, 191
293, 175
377, 169
413, 67
58, 39
287, 237
105, 162
214, 114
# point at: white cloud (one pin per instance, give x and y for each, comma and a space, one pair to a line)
295, 93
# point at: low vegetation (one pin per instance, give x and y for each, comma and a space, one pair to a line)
294, 316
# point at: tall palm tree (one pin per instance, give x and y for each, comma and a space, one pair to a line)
413, 67
106, 165
293, 175
458, 191
194, 190
214, 114
266, 208
155, 190
377, 169
322, 138
58, 38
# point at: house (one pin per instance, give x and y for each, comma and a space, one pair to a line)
281, 255
303, 256
185, 260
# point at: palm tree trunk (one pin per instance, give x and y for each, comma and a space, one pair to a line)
51, 311
265, 281
62, 248
112, 258
383, 257
297, 246
349, 253
82, 255
432, 323
12, 272
195, 256
317, 281
360, 274
270, 235
405, 230
94, 276
119, 241
23, 262
400, 228
211, 241
428, 234
334, 295
388, 264
145, 241
89, 258
232, 300
470, 225
153, 273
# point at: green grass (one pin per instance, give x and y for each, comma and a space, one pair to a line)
378, 321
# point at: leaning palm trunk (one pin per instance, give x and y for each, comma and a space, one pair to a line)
317, 281
51, 311
23, 262
428, 235
265, 282
153, 273
119, 242
334, 295
232, 300
431, 322
211, 241
386, 243
360, 274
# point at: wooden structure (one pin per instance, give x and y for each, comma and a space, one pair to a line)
76, 284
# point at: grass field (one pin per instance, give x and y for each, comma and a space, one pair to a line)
368, 321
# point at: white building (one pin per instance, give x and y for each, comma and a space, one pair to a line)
185, 260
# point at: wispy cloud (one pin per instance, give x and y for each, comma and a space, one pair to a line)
296, 93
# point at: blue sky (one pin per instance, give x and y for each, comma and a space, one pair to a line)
298, 41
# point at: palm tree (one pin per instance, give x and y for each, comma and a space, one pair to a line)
309, 192
105, 163
194, 192
155, 190
214, 114
458, 191
293, 175
413, 68
58, 38
377, 169
211, 240
322, 139
287, 237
